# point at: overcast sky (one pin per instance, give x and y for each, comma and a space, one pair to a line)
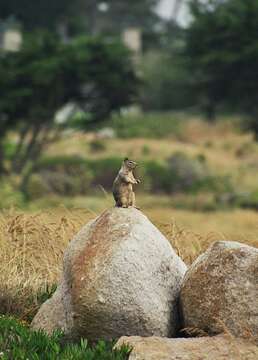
165, 9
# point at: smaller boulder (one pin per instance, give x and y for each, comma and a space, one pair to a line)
210, 348
220, 290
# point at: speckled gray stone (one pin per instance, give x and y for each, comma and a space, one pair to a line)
220, 290
122, 277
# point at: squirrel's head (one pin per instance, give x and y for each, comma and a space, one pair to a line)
130, 164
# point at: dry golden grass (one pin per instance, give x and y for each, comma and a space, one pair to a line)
191, 233
31, 255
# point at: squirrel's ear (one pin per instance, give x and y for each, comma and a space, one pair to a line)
126, 159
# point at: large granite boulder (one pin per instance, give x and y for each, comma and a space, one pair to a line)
220, 290
121, 277
202, 348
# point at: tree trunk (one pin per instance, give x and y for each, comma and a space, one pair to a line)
210, 111
21, 163
4, 127
34, 154
2, 168
19, 147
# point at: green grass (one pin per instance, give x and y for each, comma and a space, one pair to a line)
151, 125
18, 342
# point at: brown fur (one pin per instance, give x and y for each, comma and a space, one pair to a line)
123, 185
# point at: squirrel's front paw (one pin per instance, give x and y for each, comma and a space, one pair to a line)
138, 181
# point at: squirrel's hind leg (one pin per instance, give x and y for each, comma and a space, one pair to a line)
124, 202
132, 201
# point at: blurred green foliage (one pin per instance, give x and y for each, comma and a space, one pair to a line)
222, 49
17, 341
9, 195
75, 175
167, 82
147, 125
83, 16
46, 74
37, 15
179, 174
212, 63
97, 145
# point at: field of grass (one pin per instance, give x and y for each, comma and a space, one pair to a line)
33, 239
226, 149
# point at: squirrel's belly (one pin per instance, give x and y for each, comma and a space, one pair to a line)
122, 189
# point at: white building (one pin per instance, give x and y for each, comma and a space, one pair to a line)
10, 36
132, 38
174, 9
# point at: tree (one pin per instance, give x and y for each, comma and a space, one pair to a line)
109, 17
222, 48
167, 84
132, 14
36, 14
47, 74
167, 79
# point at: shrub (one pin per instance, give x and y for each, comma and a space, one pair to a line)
180, 173
9, 195
73, 175
145, 150
17, 341
187, 174
63, 162
183, 174
245, 149
104, 171
246, 200
156, 177
63, 176
9, 149
37, 187
152, 125
197, 202
97, 145
208, 144
201, 158
167, 83
70, 184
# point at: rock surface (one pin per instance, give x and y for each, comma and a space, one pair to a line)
203, 348
121, 277
220, 290
55, 313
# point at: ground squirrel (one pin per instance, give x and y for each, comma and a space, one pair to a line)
123, 184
